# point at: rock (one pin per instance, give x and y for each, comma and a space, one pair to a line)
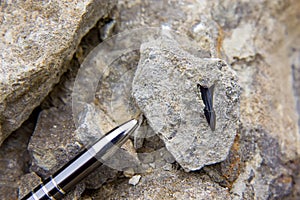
134, 180
14, 159
129, 173
294, 51
53, 142
264, 172
57, 139
162, 184
39, 39
165, 88
113, 95
26, 186
113, 102
265, 64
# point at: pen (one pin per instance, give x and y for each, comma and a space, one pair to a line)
84, 163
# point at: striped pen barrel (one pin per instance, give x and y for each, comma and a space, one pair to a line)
57, 185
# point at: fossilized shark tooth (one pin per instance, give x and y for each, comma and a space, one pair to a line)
207, 98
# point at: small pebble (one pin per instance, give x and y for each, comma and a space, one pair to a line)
134, 180
129, 172
167, 167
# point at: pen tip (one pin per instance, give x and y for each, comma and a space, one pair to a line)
131, 124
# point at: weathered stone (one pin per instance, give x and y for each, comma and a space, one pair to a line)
134, 180
115, 104
267, 103
14, 160
264, 172
54, 141
295, 65
38, 40
165, 88
260, 69
162, 184
294, 51
113, 94
64, 140
27, 183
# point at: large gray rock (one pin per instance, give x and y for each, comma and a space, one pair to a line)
37, 40
165, 88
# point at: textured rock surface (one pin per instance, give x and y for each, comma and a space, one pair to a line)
165, 184
37, 39
165, 88
56, 139
53, 141
260, 43
14, 160
263, 162
294, 51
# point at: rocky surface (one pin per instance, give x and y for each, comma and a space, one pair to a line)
260, 41
167, 183
165, 88
256, 44
14, 159
37, 40
52, 145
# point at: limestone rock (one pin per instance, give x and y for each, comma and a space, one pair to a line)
38, 39
162, 184
165, 88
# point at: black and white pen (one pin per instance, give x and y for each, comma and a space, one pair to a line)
79, 167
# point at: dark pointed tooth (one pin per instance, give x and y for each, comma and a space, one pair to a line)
207, 98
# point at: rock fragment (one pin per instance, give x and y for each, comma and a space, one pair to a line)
38, 41
14, 160
165, 89
134, 180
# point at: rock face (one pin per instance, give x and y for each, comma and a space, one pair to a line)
47, 153
14, 160
165, 88
165, 184
259, 40
262, 46
37, 40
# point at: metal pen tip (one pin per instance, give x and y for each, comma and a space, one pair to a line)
108, 144
122, 132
